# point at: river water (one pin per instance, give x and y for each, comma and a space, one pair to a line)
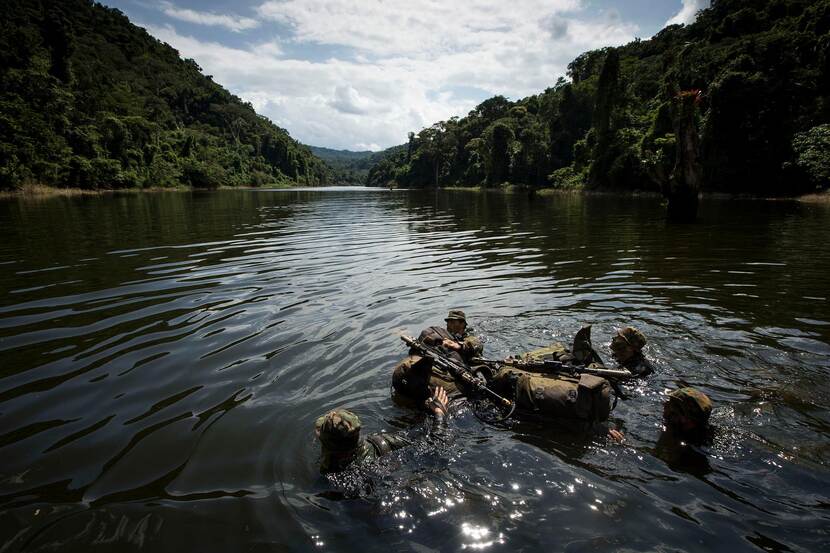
163, 358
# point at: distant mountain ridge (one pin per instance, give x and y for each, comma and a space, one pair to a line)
332, 154
89, 100
350, 167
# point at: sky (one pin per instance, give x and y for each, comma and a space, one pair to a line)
361, 74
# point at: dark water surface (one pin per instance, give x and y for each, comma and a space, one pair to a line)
163, 358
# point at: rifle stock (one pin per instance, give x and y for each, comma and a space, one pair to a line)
457, 370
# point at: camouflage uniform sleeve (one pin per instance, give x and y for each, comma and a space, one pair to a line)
471, 347
396, 441
385, 442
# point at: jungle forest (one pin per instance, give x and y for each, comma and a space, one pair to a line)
89, 100
751, 84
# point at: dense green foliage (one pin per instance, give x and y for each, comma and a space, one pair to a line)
89, 100
350, 167
763, 114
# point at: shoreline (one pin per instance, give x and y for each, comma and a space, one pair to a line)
813, 197
41, 191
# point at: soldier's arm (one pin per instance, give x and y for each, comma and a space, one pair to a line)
383, 443
395, 441
471, 347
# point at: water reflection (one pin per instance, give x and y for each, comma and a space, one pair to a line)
165, 356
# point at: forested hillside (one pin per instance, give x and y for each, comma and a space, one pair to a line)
757, 77
89, 100
350, 167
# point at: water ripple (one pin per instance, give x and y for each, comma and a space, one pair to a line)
182, 358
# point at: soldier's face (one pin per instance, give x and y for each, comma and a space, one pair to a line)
677, 421
455, 326
620, 349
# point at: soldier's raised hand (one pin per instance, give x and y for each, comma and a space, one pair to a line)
439, 402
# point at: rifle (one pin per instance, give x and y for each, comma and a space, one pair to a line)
557, 367
456, 369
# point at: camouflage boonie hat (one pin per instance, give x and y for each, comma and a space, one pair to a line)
456, 315
338, 430
633, 337
691, 403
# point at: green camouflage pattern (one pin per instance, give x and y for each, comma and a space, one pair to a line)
553, 351
413, 377
691, 403
366, 450
472, 347
435, 335
338, 430
385, 442
634, 337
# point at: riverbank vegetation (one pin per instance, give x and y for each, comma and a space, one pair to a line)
90, 101
756, 77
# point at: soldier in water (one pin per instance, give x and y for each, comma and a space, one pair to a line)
627, 348
454, 340
686, 431
414, 376
342, 445
686, 415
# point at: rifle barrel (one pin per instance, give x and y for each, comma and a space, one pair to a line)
557, 366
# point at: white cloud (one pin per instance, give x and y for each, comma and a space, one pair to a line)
417, 28
398, 69
233, 22
364, 147
688, 13
347, 100
272, 48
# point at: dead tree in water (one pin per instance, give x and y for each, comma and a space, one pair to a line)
685, 179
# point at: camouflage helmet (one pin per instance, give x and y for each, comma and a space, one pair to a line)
456, 315
338, 430
633, 337
691, 403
